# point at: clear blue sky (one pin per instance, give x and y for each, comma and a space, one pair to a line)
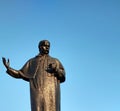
84, 36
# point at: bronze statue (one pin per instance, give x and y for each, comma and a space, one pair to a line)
44, 73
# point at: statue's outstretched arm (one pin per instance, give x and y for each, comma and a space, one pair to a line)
12, 72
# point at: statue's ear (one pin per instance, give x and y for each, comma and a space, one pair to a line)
40, 48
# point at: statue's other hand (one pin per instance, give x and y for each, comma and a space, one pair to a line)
52, 67
6, 63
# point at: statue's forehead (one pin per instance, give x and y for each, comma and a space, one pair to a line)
46, 42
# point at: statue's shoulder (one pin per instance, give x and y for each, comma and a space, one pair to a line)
55, 59
31, 60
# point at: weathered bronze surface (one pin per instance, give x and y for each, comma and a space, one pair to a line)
44, 73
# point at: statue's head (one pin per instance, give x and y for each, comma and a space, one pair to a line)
44, 46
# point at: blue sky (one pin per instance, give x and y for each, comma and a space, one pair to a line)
84, 36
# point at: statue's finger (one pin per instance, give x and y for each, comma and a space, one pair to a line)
8, 62
3, 58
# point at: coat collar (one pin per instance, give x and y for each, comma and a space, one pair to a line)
40, 55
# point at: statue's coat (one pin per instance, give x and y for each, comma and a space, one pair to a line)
44, 85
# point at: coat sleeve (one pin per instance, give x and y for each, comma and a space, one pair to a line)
19, 74
60, 71
26, 71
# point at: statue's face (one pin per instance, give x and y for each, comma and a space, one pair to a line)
44, 48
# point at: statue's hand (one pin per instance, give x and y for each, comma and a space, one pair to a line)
52, 67
6, 63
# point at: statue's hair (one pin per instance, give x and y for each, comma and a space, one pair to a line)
42, 42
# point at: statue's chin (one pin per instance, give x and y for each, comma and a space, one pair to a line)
46, 52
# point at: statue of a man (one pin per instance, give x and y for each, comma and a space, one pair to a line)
44, 73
